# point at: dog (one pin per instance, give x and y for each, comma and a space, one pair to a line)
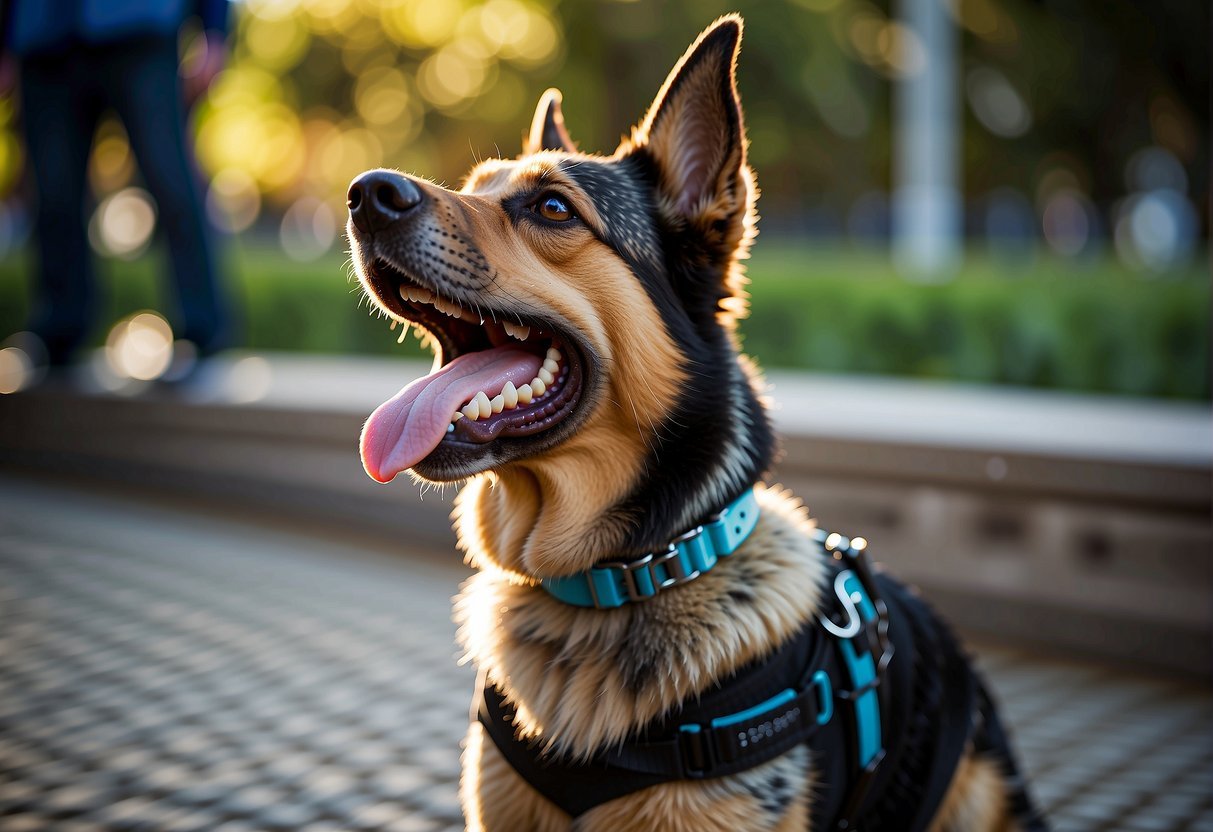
591, 395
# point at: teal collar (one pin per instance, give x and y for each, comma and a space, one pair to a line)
615, 583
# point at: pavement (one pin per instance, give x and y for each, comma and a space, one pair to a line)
176, 665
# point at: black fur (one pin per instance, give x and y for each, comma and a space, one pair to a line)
685, 281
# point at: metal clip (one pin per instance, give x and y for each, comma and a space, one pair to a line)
850, 603
674, 568
629, 570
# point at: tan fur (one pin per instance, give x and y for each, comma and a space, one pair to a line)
573, 676
496, 799
581, 680
547, 515
976, 799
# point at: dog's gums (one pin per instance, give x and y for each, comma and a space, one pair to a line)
493, 379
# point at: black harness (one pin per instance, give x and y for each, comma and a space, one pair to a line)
878, 688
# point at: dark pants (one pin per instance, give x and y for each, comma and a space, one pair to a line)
64, 95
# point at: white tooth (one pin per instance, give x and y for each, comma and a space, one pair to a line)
417, 293
404, 333
550, 365
553, 353
509, 395
458, 415
525, 394
482, 402
517, 330
471, 410
538, 386
498, 403
448, 307
545, 376
393, 326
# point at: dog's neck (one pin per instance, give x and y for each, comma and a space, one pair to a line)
581, 504
635, 662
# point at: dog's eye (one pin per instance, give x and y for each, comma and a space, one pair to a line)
554, 208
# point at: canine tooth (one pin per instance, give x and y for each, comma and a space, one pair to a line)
471, 410
545, 375
525, 394
458, 415
509, 395
482, 403
553, 354
550, 365
498, 403
404, 333
517, 330
538, 385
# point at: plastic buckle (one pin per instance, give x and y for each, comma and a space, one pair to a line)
698, 755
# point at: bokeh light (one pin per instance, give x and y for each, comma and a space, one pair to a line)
997, 104
140, 347
308, 229
249, 380
1068, 222
16, 370
233, 201
1155, 230
123, 224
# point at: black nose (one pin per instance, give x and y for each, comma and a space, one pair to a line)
379, 198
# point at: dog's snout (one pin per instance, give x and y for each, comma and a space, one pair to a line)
380, 198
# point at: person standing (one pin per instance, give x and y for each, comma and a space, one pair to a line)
75, 59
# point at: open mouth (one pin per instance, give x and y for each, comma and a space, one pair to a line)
500, 377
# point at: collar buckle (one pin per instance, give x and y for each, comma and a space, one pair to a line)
611, 584
641, 589
642, 581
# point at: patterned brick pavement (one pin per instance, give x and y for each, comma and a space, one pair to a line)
165, 667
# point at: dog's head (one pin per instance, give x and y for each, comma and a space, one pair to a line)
582, 312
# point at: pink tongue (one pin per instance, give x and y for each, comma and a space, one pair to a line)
407, 427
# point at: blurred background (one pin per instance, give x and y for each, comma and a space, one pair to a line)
981, 291
1076, 148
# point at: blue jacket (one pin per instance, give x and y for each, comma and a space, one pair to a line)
32, 26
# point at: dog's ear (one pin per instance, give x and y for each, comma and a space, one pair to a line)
695, 136
547, 127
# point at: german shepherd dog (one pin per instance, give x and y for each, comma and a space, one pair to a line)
590, 394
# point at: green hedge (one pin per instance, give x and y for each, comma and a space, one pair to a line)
1052, 324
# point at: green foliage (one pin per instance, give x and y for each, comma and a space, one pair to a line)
1097, 327
1050, 324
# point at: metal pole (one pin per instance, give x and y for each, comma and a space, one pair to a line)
927, 206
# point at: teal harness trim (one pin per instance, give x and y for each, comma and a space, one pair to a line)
862, 670
615, 583
835, 666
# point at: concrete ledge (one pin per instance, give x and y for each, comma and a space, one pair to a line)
1077, 522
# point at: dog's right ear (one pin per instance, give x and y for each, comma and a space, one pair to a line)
695, 135
547, 127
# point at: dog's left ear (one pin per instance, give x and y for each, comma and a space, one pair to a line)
547, 127
695, 136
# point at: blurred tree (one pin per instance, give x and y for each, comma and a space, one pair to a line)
1058, 94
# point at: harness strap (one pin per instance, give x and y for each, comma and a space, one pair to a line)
845, 662
708, 737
